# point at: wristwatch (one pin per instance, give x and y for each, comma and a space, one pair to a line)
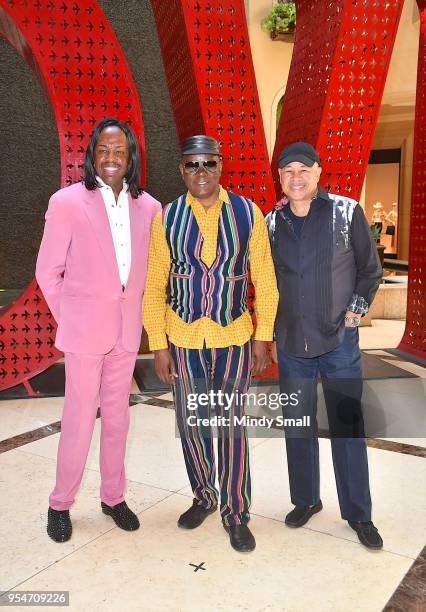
352, 321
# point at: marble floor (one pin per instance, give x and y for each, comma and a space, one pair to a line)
319, 567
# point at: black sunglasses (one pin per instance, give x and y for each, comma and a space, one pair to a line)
209, 165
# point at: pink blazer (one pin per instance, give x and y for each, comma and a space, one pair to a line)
78, 273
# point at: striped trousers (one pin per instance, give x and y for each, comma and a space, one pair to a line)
209, 383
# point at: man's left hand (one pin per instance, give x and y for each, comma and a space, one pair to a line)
259, 356
351, 314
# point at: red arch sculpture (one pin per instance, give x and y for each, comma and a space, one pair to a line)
77, 58
335, 84
209, 70
414, 338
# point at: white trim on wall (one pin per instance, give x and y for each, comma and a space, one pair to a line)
273, 126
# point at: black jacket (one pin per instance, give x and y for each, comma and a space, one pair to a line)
332, 268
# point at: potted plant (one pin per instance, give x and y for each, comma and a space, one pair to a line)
375, 229
280, 22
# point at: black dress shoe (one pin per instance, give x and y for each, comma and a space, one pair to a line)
241, 538
196, 515
122, 516
59, 526
367, 534
301, 514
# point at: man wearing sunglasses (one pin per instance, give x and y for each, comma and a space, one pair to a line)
202, 247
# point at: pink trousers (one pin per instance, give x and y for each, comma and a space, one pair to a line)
93, 380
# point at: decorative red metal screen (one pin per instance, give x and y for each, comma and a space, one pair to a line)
340, 61
76, 56
209, 69
414, 339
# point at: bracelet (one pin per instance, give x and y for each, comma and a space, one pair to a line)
353, 321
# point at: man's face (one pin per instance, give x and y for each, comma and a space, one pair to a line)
299, 182
201, 182
112, 157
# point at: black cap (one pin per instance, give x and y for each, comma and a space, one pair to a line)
200, 144
301, 152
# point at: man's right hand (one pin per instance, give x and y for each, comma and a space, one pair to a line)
273, 352
165, 366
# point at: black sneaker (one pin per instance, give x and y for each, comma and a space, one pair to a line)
241, 538
59, 526
195, 515
367, 534
301, 514
122, 516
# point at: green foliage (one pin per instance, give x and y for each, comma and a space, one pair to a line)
279, 109
282, 17
375, 232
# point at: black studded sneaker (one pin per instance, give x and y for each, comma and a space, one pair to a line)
59, 526
122, 516
367, 534
195, 515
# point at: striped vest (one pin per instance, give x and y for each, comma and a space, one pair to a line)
195, 290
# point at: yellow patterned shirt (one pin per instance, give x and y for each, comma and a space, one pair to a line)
161, 322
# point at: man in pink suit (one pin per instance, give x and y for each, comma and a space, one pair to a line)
91, 268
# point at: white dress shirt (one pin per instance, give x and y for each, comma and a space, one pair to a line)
119, 221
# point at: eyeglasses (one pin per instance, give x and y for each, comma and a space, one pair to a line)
210, 165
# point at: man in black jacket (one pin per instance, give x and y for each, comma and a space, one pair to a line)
328, 272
